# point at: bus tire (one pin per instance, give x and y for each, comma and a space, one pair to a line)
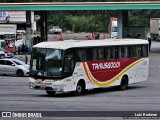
124, 83
51, 93
20, 73
80, 88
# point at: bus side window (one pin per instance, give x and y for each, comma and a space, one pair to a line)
88, 54
127, 52
114, 53
82, 54
139, 51
133, 51
145, 50
69, 60
108, 53
111, 53
98, 53
94, 54
136, 51
123, 52
67, 67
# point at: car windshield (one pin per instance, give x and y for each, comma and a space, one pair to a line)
1, 49
46, 62
18, 62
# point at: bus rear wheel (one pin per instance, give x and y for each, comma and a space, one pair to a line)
124, 83
51, 93
80, 88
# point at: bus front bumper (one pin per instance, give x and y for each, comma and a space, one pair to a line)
51, 87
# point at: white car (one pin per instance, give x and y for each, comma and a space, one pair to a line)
5, 55
2, 53
13, 67
55, 30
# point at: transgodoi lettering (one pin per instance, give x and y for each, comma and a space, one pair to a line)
107, 65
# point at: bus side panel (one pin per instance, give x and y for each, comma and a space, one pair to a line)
79, 74
139, 72
101, 75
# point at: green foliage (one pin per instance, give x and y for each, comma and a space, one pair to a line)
74, 23
81, 21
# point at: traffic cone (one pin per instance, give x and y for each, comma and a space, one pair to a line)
104, 36
93, 36
60, 37
89, 37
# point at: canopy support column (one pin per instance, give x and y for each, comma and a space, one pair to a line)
43, 23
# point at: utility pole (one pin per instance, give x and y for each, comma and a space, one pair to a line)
28, 41
43, 23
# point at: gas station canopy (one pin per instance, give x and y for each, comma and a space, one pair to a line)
81, 6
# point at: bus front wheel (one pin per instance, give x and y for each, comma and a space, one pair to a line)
124, 83
80, 88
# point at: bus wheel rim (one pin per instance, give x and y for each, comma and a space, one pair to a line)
79, 88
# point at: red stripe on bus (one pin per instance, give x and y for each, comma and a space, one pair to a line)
105, 70
85, 68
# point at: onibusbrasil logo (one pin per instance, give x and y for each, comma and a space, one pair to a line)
22, 114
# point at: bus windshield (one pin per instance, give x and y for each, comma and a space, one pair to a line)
46, 62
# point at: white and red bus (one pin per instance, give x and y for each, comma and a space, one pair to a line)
77, 65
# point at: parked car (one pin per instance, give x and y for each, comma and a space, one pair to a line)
5, 55
13, 67
55, 30
2, 53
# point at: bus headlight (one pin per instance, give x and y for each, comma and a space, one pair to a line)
59, 87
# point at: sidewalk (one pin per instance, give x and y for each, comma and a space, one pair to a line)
23, 57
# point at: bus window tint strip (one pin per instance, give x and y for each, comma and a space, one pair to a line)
112, 52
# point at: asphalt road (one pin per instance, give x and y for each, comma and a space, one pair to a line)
15, 95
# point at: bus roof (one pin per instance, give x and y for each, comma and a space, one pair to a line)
88, 43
